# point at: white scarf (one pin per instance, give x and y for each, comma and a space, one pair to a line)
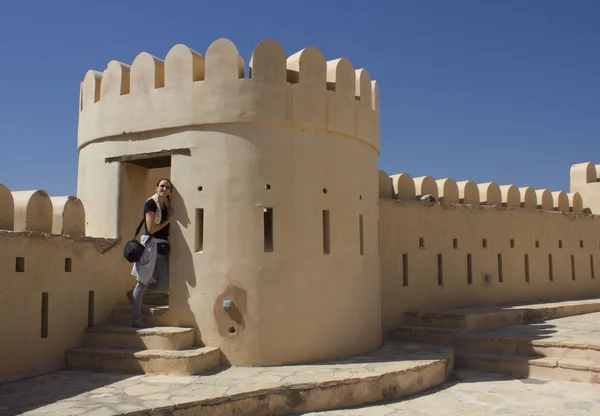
158, 216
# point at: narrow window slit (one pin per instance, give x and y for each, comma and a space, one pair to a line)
469, 270
91, 296
440, 270
559, 243
592, 272
268, 229
361, 235
512, 243
455, 243
484, 242
550, 268
44, 332
527, 267
405, 269
68, 264
572, 267
421, 242
199, 230
326, 235
500, 277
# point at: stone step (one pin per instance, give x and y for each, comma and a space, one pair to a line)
545, 368
156, 298
426, 334
127, 361
156, 338
489, 343
488, 317
152, 315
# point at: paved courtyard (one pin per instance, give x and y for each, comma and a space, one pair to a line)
470, 393
466, 393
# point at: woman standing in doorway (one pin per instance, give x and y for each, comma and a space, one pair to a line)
158, 213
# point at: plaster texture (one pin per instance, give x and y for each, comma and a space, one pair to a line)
267, 156
280, 209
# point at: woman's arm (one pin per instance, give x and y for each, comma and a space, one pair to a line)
151, 226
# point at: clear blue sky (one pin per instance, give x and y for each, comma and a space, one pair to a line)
505, 91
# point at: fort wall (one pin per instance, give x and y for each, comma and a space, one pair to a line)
275, 192
585, 179
54, 285
492, 245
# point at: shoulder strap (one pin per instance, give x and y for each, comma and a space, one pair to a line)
139, 228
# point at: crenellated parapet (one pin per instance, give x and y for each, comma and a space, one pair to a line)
68, 216
187, 89
7, 209
35, 211
404, 186
585, 180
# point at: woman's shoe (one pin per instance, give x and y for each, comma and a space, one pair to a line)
138, 323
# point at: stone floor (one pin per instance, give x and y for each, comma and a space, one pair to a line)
470, 393
66, 393
74, 393
577, 330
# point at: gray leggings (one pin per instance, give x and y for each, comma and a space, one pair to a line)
161, 274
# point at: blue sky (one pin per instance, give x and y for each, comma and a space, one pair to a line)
505, 91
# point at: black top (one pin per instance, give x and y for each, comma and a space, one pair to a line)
163, 233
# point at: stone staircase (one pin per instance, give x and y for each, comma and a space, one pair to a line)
161, 349
516, 340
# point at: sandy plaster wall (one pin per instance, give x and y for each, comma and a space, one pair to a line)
25, 353
438, 225
279, 295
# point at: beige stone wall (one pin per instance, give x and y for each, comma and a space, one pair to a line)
585, 179
298, 135
64, 265
426, 247
32, 264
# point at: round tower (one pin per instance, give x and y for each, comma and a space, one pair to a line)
275, 240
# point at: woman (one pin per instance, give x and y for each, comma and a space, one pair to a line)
155, 261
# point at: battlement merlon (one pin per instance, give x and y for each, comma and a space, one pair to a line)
585, 179
187, 89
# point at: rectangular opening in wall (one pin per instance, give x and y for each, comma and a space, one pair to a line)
199, 230
20, 265
581, 243
559, 243
527, 267
421, 242
440, 270
91, 296
500, 277
512, 243
572, 267
537, 243
592, 272
455, 243
44, 333
484, 243
550, 268
326, 231
361, 234
68, 263
268, 229
378, 238
405, 269
469, 270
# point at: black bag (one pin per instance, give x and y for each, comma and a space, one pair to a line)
134, 249
163, 249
